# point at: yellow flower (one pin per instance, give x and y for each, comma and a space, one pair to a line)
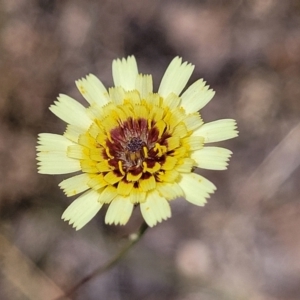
133, 146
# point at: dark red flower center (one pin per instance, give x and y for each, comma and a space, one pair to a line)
134, 143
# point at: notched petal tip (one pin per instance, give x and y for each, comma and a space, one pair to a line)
82, 210
92, 89
176, 77
212, 158
119, 211
197, 189
125, 72
196, 96
219, 130
155, 209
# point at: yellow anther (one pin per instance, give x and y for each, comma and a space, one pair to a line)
160, 125
151, 170
107, 153
145, 167
109, 136
160, 149
121, 167
134, 156
145, 150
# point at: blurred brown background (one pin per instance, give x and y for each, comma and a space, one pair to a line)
245, 243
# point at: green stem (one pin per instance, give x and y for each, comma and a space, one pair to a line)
110, 264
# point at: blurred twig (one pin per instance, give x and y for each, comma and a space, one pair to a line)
110, 264
19, 270
276, 168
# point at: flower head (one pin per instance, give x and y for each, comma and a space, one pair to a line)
133, 146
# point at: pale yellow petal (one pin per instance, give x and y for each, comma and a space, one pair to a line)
137, 196
155, 100
97, 154
124, 188
169, 163
141, 111
57, 163
52, 155
119, 211
193, 142
174, 118
212, 158
196, 96
170, 191
173, 142
88, 166
83, 209
168, 176
185, 165
172, 101
71, 111
196, 188
97, 181
147, 184
108, 194
175, 77
180, 130
155, 209
87, 140
103, 166
73, 132
117, 94
132, 97
53, 142
125, 72
193, 121
75, 185
144, 85
216, 131
93, 90
77, 152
